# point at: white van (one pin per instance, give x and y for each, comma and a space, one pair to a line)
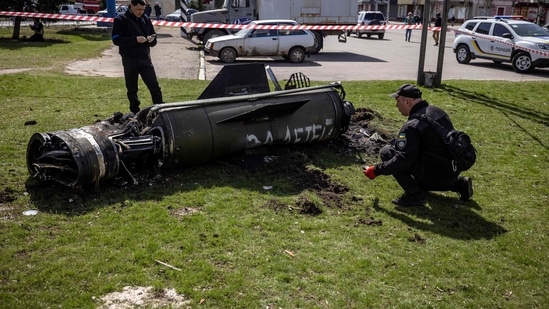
71, 9
371, 18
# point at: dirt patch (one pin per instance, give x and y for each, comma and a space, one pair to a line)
13, 71
360, 139
182, 212
144, 297
7, 195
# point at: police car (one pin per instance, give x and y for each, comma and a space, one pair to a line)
503, 39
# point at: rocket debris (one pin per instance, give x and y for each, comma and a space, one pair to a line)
236, 112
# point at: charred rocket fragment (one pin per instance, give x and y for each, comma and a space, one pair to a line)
236, 112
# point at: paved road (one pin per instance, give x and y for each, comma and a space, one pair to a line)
359, 59
389, 59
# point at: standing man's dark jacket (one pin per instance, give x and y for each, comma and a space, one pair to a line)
126, 28
420, 149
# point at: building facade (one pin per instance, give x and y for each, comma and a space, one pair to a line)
533, 10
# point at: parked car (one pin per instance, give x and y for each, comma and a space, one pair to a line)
174, 16
190, 12
120, 9
292, 45
178, 16
370, 18
71, 9
524, 44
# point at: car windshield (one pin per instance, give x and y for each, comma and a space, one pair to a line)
244, 31
529, 30
372, 16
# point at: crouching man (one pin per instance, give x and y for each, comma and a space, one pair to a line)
418, 158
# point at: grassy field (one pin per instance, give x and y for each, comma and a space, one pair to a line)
236, 245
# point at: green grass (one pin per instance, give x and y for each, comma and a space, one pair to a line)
488, 253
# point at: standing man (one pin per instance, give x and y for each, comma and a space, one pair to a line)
436, 32
157, 11
134, 34
418, 159
409, 21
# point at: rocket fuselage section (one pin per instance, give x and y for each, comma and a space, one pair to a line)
177, 134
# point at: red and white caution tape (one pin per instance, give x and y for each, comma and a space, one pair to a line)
270, 27
216, 25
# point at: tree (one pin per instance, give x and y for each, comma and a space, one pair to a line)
488, 6
466, 6
45, 6
196, 4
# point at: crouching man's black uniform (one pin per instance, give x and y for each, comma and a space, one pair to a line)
134, 34
418, 158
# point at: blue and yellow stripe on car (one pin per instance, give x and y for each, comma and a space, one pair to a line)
480, 53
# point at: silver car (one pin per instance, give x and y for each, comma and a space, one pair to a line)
120, 9
174, 16
292, 45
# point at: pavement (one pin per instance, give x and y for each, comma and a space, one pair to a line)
171, 58
358, 59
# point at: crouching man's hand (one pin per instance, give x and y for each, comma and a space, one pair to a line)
369, 171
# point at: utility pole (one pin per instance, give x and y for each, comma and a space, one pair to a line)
422, 45
440, 60
441, 46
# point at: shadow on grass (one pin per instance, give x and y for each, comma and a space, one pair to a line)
506, 108
13, 44
87, 34
54, 39
295, 170
446, 216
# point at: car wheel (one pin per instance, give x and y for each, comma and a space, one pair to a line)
463, 55
212, 34
227, 55
522, 63
380, 36
296, 55
319, 42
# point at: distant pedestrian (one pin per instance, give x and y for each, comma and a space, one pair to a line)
453, 21
157, 11
436, 31
408, 21
148, 10
38, 29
